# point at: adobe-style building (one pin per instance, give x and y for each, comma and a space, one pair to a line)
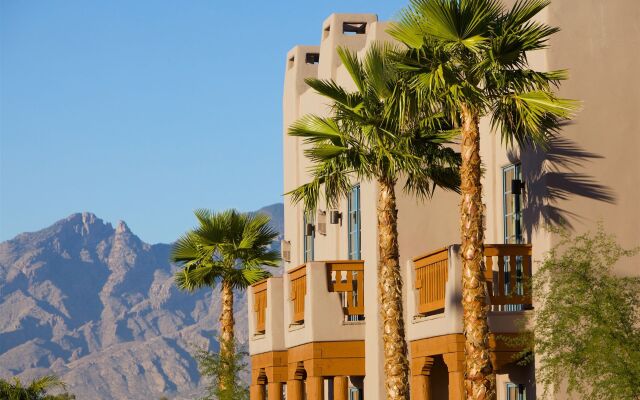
315, 332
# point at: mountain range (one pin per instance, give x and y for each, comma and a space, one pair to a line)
98, 307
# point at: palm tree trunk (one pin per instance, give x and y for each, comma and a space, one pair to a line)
396, 365
227, 339
479, 378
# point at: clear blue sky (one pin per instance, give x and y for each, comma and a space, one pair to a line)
144, 110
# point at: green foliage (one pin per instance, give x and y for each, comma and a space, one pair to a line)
229, 246
36, 390
587, 326
381, 131
473, 54
223, 371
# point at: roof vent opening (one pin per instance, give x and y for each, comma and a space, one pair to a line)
354, 28
326, 31
312, 58
290, 62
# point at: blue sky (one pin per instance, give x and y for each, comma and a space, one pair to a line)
144, 110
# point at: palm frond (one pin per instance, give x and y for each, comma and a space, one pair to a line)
333, 91
353, 66
315, 129
531, 118
223, 243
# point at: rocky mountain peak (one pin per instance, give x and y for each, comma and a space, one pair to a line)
98, 307
122, 228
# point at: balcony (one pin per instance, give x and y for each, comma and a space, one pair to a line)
434, 304
266, 326
325, 302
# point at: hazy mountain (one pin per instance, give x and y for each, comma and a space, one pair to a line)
97, 306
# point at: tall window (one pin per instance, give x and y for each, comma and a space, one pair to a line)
512, 203
308, 234
516, 391
354, 223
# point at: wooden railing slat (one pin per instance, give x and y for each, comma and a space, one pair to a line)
431, 280
353, 286
497, 293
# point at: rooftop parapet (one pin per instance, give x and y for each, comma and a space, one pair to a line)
346, 30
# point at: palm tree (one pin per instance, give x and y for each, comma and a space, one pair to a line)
377, 133
36, 390
227, 247
470, 56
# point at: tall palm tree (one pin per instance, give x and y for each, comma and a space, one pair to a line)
379, 132
36, 390
227, 247
470, 56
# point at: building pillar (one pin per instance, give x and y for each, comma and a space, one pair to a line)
274, 390
294, 389
340, 388
421, 379
455, 365
315, 388
256, 392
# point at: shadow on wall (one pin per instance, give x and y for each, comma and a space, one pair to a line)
552, 175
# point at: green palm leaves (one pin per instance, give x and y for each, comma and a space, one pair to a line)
228, 246
475, 52
470, 58
36, 390
381, 130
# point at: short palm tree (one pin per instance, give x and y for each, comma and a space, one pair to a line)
36, 390
377, 133
470, 56
227, 247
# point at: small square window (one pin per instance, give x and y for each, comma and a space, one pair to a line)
354, 28
312, 58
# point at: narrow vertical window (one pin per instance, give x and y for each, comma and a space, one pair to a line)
354, 223
512, 217
512, 203
308, 234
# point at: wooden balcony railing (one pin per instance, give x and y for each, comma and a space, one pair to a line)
432, 272
298, 279
508, 274
260, 305
347, 278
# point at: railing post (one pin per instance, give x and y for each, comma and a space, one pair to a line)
294, 389
274, 390
315, 388
340, 388
421, 380
455, 366
256, 392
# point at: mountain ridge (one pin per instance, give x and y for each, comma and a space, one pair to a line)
96, 305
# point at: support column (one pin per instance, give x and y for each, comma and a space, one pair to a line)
340, 388
256, 392
455, 365
315, 388
294, 389
274, 390
421, 378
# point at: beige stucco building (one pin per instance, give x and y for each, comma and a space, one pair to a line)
315, 331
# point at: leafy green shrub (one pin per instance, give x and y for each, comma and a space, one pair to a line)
587, 326
223, 371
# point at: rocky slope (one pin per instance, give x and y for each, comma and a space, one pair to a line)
97, 306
